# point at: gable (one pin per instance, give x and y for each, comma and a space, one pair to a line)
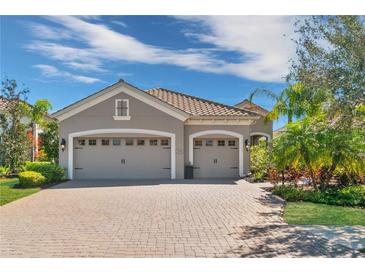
118, 88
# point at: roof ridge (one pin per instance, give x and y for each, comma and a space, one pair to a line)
205, 100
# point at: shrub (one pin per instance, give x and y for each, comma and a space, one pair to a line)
31, 179
260, 158
346, 196
52, 172
4, 171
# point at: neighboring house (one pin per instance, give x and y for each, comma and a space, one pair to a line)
279, 131
32, 130
123, 132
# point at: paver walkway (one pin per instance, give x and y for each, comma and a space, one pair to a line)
198, 218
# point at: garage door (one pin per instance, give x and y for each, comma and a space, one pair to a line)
216, 158
122, 158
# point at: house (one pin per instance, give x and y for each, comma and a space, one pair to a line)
123, 132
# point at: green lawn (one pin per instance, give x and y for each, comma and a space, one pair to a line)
8, 193
301, 213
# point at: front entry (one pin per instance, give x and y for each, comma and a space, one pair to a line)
216, 158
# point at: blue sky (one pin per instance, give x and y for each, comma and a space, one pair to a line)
222, 58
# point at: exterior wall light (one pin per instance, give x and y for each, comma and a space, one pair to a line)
63, 144
247, 145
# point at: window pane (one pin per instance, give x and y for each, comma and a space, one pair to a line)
122, 107
231, 143
92, 142
116, 142
105, 142
153, 142
209, 143
129, 142
140, 142
198, 143
221, 143
81, 142
164, 142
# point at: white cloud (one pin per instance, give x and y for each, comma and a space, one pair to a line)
259, 42
264, 42
120, 23
53, 72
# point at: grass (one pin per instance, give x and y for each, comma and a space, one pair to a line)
302, 213
8, 193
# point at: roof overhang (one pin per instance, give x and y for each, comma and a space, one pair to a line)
221, 120
110, 91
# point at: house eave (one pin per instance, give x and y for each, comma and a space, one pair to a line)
221, 120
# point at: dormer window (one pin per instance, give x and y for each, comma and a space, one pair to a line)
122, 109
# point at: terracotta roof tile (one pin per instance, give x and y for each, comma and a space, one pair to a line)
3, 103
197, 106
246, 104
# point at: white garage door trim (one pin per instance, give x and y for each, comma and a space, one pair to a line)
217, 131
73, 135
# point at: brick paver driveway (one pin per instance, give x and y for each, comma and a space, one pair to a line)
199, 218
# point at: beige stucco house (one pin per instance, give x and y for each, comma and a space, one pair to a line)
123, 132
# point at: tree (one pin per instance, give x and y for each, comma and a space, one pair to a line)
50, 141
14, 145
36, 114
289, 102
331, 58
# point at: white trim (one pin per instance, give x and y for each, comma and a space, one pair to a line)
122, 118
218, 131
71, 136
268, 136
120, 87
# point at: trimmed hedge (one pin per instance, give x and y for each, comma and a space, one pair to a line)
52, 172
31, 179
347, 196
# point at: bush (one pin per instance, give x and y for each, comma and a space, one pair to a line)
31, 179
52, 172
260, 158
346, 196
4, 171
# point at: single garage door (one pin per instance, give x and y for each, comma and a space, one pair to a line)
122, 158
216, 158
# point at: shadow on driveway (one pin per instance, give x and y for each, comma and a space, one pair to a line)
282, 240
139, 182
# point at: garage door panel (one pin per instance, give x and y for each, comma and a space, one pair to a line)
216, 161
122, 162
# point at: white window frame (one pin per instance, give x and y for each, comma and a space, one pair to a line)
116, 116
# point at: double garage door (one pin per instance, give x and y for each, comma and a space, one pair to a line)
122, 158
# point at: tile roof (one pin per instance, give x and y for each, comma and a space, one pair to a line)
3, 103
197, 106
246, 104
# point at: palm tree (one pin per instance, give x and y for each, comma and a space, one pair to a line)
289, 102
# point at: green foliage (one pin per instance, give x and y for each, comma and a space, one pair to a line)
4, 171
50, 143
320, 150
260, 159
51, 171
31, 179
347, 196
330, 57
14, 145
